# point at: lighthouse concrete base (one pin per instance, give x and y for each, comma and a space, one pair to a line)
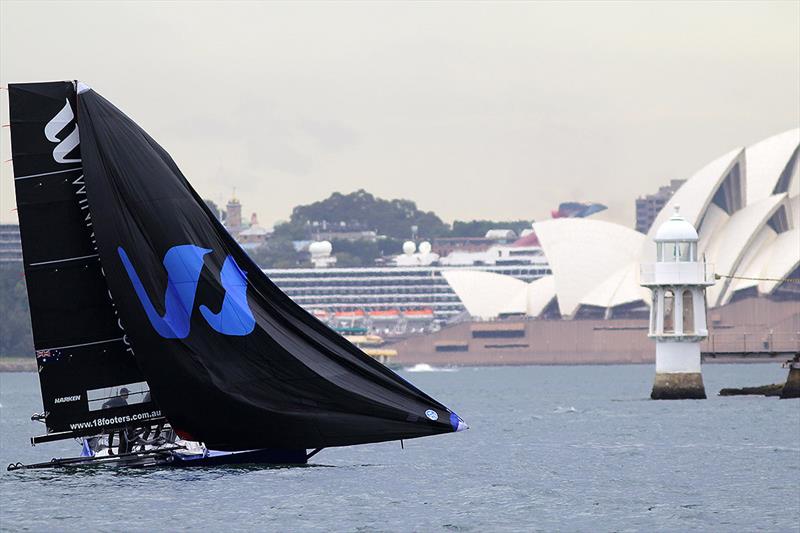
791, 389
678, 386
678, 374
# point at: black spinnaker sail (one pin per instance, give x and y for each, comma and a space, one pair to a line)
83, 357
230, 359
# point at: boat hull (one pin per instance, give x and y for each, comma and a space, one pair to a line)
254, 457
170, 459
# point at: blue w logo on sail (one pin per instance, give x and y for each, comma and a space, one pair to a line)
184, 264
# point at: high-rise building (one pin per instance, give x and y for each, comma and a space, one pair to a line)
648, 207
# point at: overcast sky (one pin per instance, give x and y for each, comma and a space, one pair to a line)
473, 110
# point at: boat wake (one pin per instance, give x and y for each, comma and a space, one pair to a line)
563, 410
425, 367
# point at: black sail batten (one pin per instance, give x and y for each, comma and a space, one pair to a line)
232, 360
81, 352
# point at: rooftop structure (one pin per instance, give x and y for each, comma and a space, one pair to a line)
254, 236
249, 235
322, 230
510, 254
320, 252
502, 236
446, 245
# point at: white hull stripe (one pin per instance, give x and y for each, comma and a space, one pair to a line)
48, 173
63, 260
84, 344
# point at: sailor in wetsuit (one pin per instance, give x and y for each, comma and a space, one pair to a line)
118, 401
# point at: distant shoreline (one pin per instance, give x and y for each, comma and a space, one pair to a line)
17, 364
28, 364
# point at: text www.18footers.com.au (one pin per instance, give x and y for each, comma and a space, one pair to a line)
108, 421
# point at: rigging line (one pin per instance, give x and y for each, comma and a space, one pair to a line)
64, 260
784, 280
47, 173
79, 345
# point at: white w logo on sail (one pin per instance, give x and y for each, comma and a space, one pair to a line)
68, 143
183, 264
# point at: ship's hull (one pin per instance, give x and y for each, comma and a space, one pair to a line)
253, 457
174, 459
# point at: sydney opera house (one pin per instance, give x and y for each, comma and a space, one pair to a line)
746, 208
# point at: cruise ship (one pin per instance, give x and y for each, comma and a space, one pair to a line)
408, 298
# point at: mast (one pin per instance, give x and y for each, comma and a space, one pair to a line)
82, 352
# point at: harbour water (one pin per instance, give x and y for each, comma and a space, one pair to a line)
569, 448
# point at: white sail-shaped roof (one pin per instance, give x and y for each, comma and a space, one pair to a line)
620, 288
753, 263
583, 253
775, 261
725, 174
771, 255
770, 164
486, 295
534, 299
540, 293
698, 192
784, 258
729, 245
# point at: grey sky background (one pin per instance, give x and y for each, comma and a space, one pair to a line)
473, 110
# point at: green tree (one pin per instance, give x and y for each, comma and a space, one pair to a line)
345, 259
278, 253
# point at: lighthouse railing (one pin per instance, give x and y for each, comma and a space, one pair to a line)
669, 273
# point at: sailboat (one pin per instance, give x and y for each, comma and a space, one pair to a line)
158, 340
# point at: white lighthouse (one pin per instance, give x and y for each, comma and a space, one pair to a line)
678, 280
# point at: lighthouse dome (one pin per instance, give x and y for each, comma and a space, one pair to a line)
676, 229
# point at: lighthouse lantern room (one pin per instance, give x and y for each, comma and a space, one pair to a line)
678, 281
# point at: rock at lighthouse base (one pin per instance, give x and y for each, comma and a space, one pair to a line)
791, 389
678, 386
763, 390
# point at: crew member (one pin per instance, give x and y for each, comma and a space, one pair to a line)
118, 401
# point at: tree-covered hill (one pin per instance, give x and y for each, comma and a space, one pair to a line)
360, 209
392, 220
389, 218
